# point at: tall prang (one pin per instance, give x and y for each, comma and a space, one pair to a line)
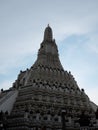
47, 65
48, 52
45, 91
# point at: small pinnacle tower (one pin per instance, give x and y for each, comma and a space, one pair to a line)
45, 91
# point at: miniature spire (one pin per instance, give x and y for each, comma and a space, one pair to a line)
48, 34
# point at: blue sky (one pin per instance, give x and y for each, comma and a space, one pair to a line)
75, 28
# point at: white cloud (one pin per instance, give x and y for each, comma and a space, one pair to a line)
93, 43
93, 94
6, 84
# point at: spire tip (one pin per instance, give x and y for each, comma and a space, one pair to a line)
48, 25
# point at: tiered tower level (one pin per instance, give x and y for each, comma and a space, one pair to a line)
45, 90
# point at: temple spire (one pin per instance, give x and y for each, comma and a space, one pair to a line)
48, 52
48, 34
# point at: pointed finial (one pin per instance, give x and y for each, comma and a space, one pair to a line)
48, 34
